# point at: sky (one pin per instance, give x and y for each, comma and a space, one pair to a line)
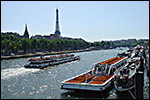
89, 20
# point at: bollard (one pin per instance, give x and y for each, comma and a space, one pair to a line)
139, 85
141, 68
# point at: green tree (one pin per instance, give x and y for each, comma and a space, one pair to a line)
147, 43
25, 45
33, 44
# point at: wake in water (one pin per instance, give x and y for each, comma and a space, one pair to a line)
12, 72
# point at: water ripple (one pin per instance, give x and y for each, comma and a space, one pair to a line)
12, 72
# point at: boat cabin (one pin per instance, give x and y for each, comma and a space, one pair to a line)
103, 69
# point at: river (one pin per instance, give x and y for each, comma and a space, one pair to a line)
18, 82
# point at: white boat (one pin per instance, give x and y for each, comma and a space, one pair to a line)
124, 80
49, 59
43, 64
36, 65
64, 60
97, 79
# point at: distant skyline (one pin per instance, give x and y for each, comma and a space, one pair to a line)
89, 20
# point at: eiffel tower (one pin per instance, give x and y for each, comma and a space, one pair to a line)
57, 31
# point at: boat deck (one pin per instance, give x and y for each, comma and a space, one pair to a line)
100, 79
90, 79
111, 60
81, 79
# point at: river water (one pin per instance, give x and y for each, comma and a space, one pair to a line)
18, 82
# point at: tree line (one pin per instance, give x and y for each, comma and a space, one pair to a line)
13, 44
18, 45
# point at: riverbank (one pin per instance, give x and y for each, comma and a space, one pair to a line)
43, 54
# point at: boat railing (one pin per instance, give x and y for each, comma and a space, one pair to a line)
51, 57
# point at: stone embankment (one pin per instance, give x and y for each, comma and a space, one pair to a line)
43, 54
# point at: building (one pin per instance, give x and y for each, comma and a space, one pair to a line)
54, 36
37, 37
47, 37
26, 33
131, 40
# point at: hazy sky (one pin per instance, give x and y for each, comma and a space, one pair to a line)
90, 20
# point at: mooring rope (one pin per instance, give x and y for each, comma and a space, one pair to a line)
132, 94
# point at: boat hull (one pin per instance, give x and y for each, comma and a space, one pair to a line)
86, 87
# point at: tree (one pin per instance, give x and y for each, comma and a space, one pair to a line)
25, 44
147, 43
63, 45
75, 45
33, 44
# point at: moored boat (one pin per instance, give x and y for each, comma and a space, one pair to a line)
124, 80
98, 79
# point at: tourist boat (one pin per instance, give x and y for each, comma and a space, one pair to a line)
49, 59
41, 65
64, 60
124, 80
54, 60
98, 79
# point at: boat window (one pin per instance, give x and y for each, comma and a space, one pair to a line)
99, 69
124, 81
122, 64
111, 72
114, 69
118, 66
124, 71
